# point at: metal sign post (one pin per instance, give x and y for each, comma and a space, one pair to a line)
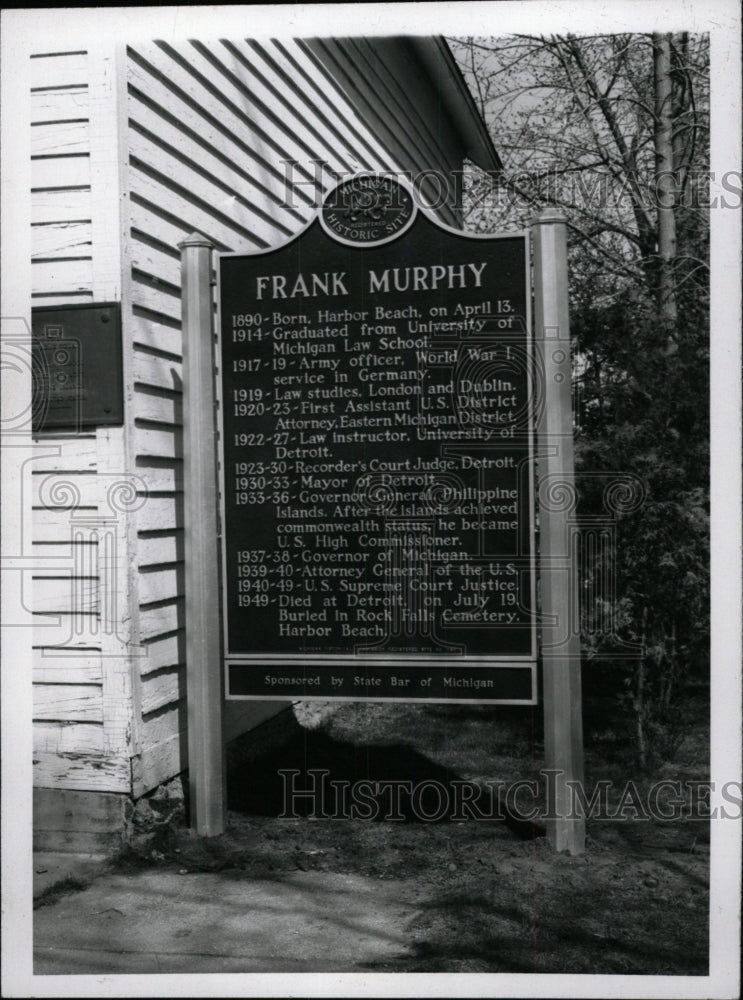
203, 653
563, 723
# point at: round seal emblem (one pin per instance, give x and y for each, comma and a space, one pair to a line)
370, 208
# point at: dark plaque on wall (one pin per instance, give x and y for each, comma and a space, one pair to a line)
376, 405
78, 380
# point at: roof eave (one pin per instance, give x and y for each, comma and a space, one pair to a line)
441, 68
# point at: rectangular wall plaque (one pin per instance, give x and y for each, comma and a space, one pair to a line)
377, 481
78, 379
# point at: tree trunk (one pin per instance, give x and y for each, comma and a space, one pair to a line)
642, 753
665, 186
670, 673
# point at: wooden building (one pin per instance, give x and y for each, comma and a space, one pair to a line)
133, 149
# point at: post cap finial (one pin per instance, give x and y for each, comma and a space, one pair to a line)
549, 216
195, 240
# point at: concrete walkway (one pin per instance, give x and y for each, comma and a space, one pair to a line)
226, 921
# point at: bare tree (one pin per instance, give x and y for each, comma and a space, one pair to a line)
611, 129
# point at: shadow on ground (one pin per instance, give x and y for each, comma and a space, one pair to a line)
313, 774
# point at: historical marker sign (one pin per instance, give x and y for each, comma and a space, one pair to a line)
376, 421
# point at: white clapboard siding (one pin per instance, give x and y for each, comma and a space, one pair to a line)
152, 155
62, 269
406, 116
66, 524
67, 455
156, 336
221, 101
61, 239
311, 87
150, 257
161, 476
164, 196
163, 650
161, 299
157, 619
229, 164
60, 104
151, 224
165, 441
161, 688
401, 105
59, 69
77, 666
65, 594
73, 702
351, 69
154, 140
271, 106
273, 76
63, 138
161, 513
288, 73
349, 76
63, 205
206, 128
206, 143
62, 553
59, 525
153, 303
167, 721
159, 548
66, 737
82, 771
59, 277
66, 630
60, 172
159, 762
161, 584
162, 373
216, 130
74, 746
154, 256
69, 298
55, 490
165, 736
152, 265
158, 405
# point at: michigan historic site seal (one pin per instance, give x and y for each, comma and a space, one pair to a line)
369, 208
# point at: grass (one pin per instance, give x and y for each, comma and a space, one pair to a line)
63, 887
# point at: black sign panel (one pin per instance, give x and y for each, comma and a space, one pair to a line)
377, 474
78, 380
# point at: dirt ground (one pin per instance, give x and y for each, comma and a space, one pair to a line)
494, 896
